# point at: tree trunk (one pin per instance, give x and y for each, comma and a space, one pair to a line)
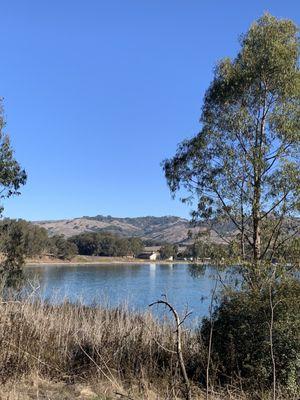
256, 239
256, 205
242, 222
256, 219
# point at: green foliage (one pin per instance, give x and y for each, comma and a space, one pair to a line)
200, 249
12, 245
12, 176
243, 166
241, 335
106, 244
168, 251
62, 248
134, 246
20, 239
290, 252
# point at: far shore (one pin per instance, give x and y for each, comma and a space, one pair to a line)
91, 260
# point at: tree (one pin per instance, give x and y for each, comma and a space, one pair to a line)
168, 251
12, 246
106, 244
12, 176
62, 248
243, 166
214, 251
135, 246
86, 243
36, 239
20, 239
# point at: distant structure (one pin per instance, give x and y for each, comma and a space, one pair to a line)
149, 255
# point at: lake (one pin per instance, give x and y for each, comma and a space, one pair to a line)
136, 285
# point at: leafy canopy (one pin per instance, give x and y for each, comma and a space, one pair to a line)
243, 166
12, 176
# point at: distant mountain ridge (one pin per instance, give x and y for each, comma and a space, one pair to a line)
157, 230
170, 229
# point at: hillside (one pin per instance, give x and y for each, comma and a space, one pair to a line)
169, 229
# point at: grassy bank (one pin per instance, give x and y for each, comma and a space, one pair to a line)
71, 351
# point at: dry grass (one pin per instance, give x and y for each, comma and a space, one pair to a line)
77, 344
76, 352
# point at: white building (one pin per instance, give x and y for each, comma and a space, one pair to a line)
149, 255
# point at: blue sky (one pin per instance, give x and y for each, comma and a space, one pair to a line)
97, 93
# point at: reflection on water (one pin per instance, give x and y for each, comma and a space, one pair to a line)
136, 285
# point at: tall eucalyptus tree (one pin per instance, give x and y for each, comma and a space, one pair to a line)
243, 166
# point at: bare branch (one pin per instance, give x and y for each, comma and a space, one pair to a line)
178, 323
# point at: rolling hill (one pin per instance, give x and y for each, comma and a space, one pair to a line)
169, 229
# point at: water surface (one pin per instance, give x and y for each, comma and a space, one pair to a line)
137, 285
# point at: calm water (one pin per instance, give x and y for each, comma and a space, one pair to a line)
136, 285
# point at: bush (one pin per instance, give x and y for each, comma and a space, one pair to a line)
241, 335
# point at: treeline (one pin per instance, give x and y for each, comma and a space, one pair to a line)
204, 249
289, 252
106, 244
20, 239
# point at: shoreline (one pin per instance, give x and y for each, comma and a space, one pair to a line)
104, 262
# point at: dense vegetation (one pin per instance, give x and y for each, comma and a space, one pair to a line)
243, 330
168, 251
20, 239
106, 244
206, 250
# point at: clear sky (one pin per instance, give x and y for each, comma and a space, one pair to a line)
97, 93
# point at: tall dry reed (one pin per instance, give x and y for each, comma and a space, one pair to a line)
72, 341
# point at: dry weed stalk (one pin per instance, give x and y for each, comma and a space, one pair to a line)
178, 324
211, 321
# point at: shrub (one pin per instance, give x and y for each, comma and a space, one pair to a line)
241, 335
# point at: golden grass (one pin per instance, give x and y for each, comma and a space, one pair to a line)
75, 352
